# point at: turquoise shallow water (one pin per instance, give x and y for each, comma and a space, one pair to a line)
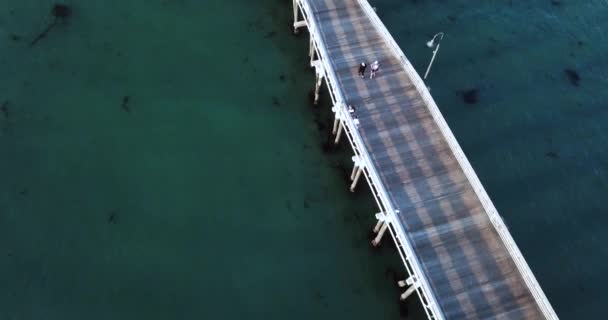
207, 193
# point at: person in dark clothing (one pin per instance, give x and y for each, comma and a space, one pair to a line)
362, 67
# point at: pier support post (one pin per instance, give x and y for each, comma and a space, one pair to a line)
295, 16
353, 173
338, 125
378, 238
312, 53
357, 176
337, 118
297, 24
381, 226
318, 83
319, 75
338, 133
357, 171
378, 225
411, 281
335, 128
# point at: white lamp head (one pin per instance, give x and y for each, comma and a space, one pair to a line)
431, 43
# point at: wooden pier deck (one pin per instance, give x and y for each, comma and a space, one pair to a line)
469, 265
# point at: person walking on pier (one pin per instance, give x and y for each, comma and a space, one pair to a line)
375, 67
362, 67
352, 110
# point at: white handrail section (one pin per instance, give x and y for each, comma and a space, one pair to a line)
464, 163
427, 297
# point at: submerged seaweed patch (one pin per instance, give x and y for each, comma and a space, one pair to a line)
276, 102
306, 203
552, 155
113, 217
4, 109
469, 96
270, 34
573, 77
125, 104
60, 12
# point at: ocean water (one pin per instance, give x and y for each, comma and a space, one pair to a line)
537, 134
161, 160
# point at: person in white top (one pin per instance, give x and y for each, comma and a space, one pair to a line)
351, 110
375, 67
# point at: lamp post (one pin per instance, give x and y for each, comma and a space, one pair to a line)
431, 44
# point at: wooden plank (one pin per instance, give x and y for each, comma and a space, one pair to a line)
463, 257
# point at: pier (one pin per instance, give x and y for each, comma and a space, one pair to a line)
460, 258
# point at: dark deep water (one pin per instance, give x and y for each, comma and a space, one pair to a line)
160, 159
537, 135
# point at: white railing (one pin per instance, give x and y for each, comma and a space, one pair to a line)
334, 95
495, 218
406, 252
